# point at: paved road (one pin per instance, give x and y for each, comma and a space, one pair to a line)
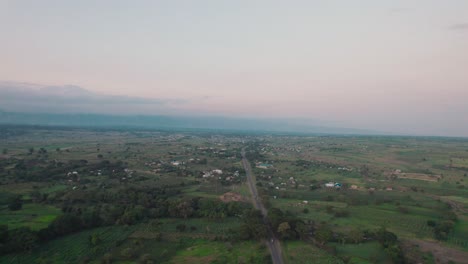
273, 243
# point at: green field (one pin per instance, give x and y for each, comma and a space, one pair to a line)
299, 252
31, 215
139, 196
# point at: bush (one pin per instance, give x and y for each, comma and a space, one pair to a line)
181, 227
145, 259
15, 204
128, 253
403, 210
341, 213
107, 258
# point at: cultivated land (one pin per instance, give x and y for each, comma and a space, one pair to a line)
124, 196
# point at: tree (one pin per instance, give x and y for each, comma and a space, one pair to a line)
323, 234
302, 230
3, 239
431, 223
284, 229
396, 253
386, 238
107, 258
181, 227
253, 226
356, 236
16, 203
442, 229
5, 151
31, 150
145, 259
94, 239
21, 239
181, 209
36, 196
128, 253
65, 224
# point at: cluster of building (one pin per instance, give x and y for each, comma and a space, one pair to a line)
335, 185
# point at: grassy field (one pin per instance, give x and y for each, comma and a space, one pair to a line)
74, 248
370, 252
393, 182
300, 252
203, 251
397, 183
34, 216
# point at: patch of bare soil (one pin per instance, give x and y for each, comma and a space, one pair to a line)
419, 176
193, 259
442, 254
412, 176
231, 197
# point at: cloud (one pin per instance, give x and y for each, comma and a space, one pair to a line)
460, 27
399, 10
16, 96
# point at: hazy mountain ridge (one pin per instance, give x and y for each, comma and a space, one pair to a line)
27, 97
70, 105
165, 122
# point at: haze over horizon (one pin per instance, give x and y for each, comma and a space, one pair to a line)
399, 66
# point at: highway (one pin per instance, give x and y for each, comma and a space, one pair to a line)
272, 242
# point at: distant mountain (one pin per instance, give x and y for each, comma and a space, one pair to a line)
69, 105
27, 97
170, 122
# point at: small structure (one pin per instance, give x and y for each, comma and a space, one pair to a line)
264, 166
335, 185
217, 171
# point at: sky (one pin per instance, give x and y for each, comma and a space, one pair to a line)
399, 66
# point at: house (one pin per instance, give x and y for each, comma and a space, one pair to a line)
354, 187
336, 185
217, 171
207, 175
264, 166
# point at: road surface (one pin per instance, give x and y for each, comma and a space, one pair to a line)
272, 243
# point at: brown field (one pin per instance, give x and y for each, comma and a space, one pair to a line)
419, 176
231, 197
442, 254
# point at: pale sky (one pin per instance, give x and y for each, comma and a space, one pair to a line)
399, 65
